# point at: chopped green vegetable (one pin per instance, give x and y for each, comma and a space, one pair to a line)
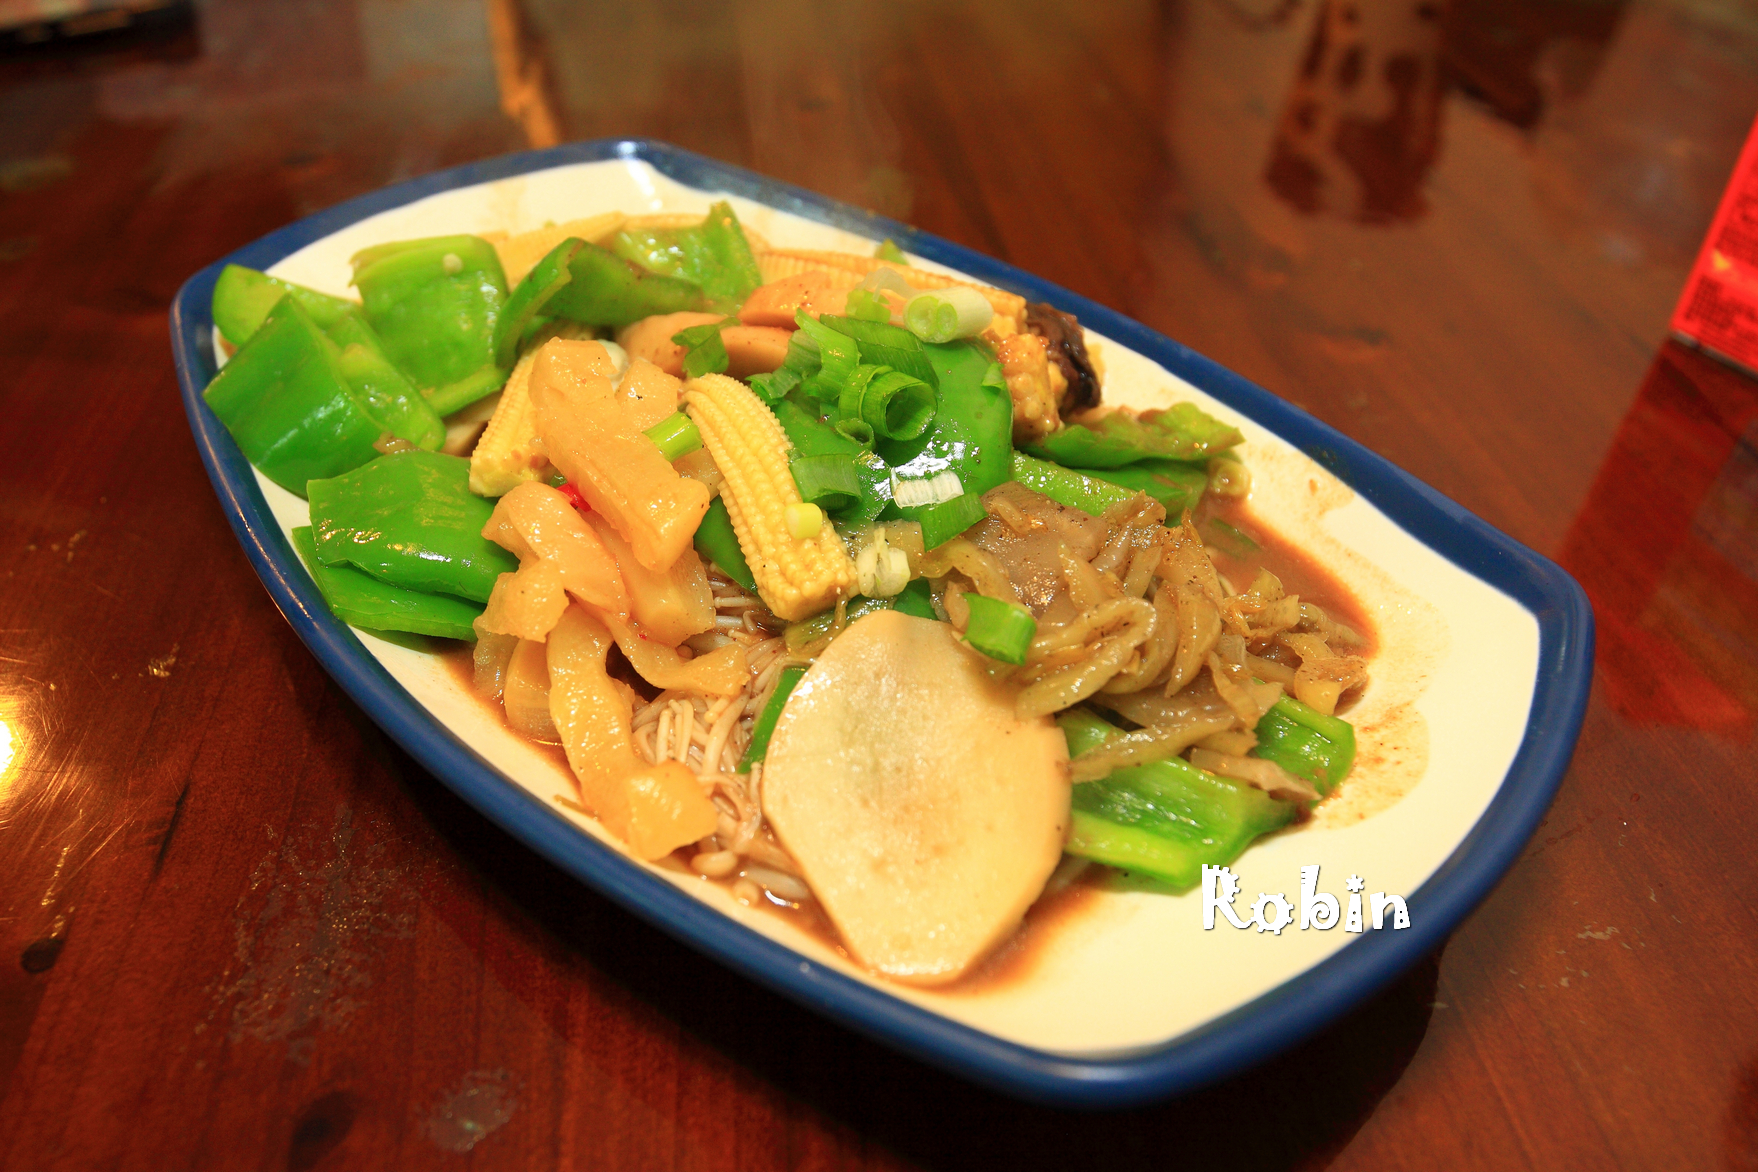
381, 388
606, 290
945, 314
713, 255
883, 344
915, 599
676, 435
1307, 743
1065, 486
764, 727
867, 305
828, 481
292, 411
459, 395
717, 542
971, 435
1165, 819
243, 298
811, 437
1176, 485
1000, 629
531, 299
410, 519
888, 250
704, 350
1180, 432
361, 600
897, 406
942, 522
435, 304
838, 357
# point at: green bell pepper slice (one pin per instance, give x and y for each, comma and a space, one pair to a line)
360, 600
1175, 484
410, 519
603, 289
435, 304
1065, 486
382, 388
243, 298
291, 408
529, 302
713, 255
1165, 819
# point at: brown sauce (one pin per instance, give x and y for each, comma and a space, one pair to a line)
1298, 570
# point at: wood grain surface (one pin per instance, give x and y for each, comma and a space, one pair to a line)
239, 929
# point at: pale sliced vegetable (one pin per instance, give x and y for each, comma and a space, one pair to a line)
669, 607
526, 692
923, 813
619, 471
655, 809
534, 521
721, 672
526, 604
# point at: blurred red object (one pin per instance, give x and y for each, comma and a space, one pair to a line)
1719, 308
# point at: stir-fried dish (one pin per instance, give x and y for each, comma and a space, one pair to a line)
831, 575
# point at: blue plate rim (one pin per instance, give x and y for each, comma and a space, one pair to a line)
1225, 1045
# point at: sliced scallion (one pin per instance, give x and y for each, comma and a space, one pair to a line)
676, 435
942, 522
897, 405
945, 314
1000, 629
867, 305
828, 481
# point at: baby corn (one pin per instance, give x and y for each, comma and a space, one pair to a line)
797, 577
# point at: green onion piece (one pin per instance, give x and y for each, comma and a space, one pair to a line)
676, 435
898, 406
839, 356
704, 352
764, 728
828, 481
1000, 629
719, 543
848, 402
868, 305
858, 430
946, 520
946, 314
1066, 486
888, 250
915, 599
884, 344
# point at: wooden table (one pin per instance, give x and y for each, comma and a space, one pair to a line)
240, 929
